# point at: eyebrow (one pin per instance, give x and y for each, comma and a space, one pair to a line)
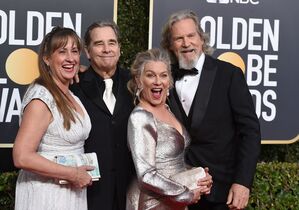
152, 71
112, 40
180, 36
109, 40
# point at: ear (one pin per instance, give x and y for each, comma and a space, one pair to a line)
138, 82
87, 52
46, 60
171, 45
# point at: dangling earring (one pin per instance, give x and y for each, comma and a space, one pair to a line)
137, 96
167, 98
48, 67
138, 93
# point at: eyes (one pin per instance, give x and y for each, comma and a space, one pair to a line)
74, 50
151, 75
182, 38
110, 43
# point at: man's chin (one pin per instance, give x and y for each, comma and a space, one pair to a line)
184, 65
187, 63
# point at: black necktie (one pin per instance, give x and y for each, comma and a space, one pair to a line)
180, 73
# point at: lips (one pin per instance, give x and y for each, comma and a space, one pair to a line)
68, 67
157, 93
107, 56
188, 51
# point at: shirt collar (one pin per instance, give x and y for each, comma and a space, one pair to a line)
200, 62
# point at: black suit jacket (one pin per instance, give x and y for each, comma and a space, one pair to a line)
224, 129
108, 138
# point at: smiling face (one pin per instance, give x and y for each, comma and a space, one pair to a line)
103, 50
154, 82
186, 43
64, 61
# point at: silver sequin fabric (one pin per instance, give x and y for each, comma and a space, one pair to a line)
158, 152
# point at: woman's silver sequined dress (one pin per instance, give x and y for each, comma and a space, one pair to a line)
158, 152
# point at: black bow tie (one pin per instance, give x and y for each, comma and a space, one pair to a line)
180, 73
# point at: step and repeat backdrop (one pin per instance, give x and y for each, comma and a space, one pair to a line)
259, 36
23, 25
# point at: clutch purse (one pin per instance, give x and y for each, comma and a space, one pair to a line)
189, 177
76, 160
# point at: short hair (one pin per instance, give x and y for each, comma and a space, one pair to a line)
101, 24
141, 60
175, 17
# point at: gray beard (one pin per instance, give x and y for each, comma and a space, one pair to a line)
184, 64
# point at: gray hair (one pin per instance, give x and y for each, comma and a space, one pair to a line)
141, 60
167, 36
101, 24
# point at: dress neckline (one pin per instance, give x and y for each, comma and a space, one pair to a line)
162, 122
81, 106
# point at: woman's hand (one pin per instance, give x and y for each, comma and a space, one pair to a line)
205, 184
196, 195
82, 178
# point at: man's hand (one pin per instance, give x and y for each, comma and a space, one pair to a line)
205, 183
81, 68
237, 197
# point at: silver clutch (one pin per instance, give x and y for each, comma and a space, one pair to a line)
75, 160
189, 177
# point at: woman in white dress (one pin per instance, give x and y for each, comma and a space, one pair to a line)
52, 122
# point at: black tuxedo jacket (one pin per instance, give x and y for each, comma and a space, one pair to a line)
224, 129
108, 138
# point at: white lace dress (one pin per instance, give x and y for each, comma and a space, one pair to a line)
35, 192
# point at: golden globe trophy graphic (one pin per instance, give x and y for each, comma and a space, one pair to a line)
22, 66
234, 59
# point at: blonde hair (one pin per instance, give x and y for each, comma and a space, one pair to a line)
141, 60
54, 40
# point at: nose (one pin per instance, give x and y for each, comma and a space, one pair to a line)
106, 48
186, 42
70, 56
157, 80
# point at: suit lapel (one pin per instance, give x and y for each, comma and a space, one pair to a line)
90, 87
176, 106
121, 92
203, 92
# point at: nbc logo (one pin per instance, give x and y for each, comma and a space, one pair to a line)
233, 1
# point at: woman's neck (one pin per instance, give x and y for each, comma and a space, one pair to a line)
154, 109
64, 87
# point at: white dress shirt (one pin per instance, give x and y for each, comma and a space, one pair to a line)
187, 86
